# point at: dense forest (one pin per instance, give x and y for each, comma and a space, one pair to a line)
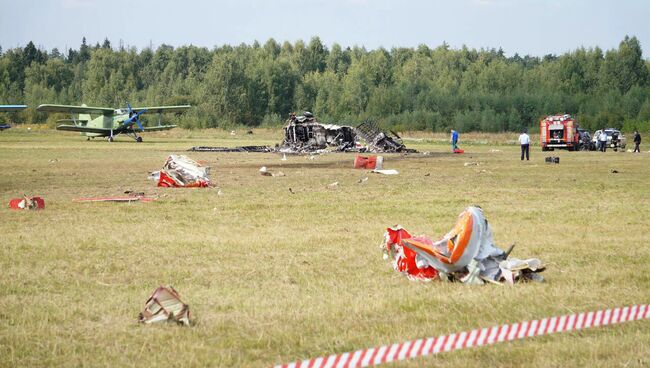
419, 88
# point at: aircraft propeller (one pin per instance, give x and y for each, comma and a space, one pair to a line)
134, 117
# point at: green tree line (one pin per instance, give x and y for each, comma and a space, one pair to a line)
419, 88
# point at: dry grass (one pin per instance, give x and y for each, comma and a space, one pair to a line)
272, 276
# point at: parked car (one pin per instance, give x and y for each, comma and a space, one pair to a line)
615, 139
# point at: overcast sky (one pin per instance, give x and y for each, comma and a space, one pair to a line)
535, 27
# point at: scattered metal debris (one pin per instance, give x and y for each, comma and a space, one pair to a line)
165, 305
27, 203
182, 171
265, 172
466, 253
386, 171
333, 185
379, 141
232, 149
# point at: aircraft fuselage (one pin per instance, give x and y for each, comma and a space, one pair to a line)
103, 121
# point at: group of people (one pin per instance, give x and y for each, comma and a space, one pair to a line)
602, 140
524, 141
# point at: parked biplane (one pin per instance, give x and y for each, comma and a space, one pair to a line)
111, 121
10, 108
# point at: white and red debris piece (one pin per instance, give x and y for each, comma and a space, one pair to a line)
371, 162
181, 171
27, 203
466, 253
165, 305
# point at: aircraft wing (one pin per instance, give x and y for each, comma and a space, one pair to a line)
160, 127
76, 109
6, 108
161, 109
72, 121
83, 129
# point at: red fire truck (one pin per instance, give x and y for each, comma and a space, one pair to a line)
559, 131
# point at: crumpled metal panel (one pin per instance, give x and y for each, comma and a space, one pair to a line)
165, 305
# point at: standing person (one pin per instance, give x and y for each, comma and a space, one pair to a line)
602, 138
524, 140
597, 135
454, 140
637, 141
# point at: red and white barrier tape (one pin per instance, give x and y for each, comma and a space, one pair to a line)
478, 337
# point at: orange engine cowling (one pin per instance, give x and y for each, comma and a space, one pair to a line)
458, 247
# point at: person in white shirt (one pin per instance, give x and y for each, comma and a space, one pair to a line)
602, 138
524, 140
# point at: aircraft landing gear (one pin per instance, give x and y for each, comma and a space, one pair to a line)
110, 139
139, 139
87, 138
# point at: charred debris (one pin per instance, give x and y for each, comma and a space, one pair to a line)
303, 134
379, 141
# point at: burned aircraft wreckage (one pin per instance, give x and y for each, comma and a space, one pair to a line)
303, 134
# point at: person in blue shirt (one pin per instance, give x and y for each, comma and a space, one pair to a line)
454, 140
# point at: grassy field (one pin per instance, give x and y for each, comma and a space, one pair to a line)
274, 275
